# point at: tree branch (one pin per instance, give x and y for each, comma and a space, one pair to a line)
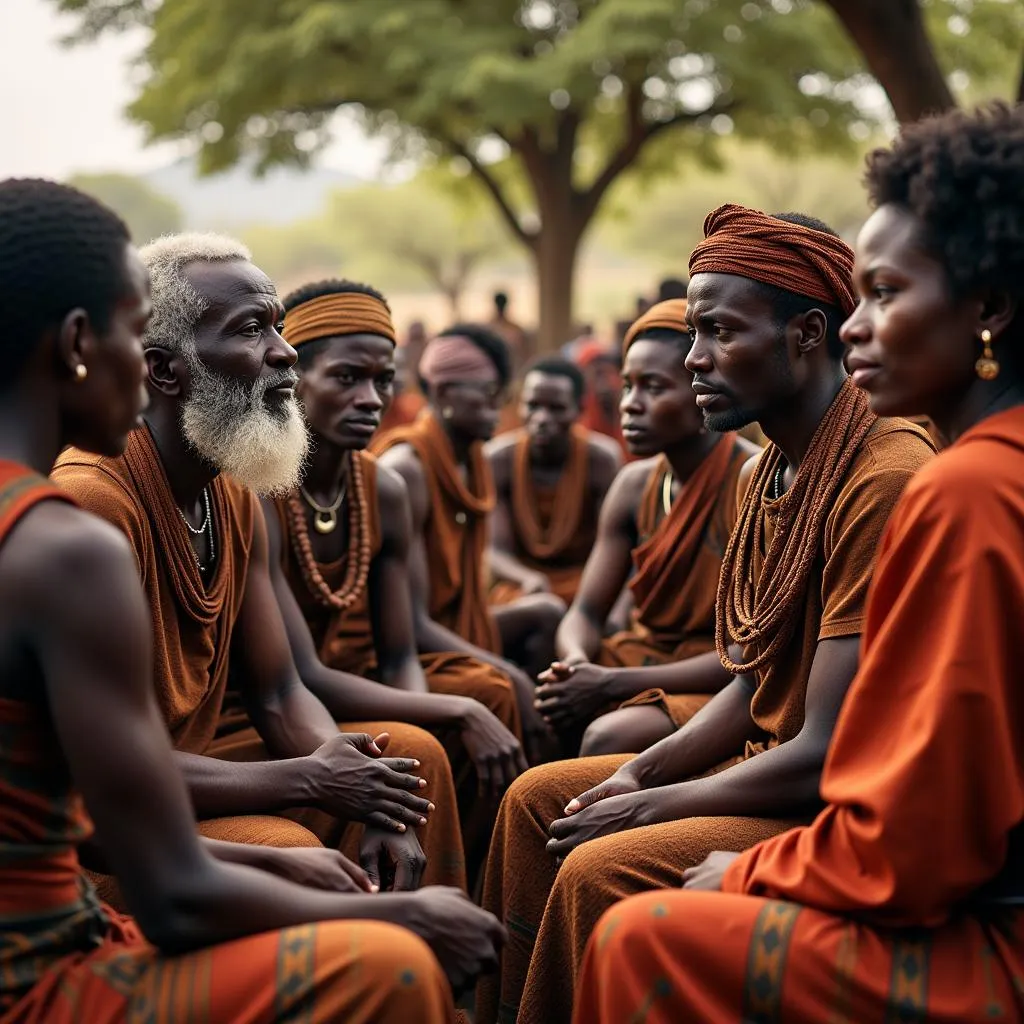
492, 186
638, 134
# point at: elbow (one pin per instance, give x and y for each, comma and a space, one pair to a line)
175, 913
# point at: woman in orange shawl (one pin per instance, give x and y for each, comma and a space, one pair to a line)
214, 940
902, 899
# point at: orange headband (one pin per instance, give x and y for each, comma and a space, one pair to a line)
751, 244
340, 313
670, 314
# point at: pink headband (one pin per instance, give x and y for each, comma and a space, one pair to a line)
454, 358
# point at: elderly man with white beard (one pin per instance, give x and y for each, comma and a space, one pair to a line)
261, 752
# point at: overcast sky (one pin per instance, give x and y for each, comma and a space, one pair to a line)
61, 110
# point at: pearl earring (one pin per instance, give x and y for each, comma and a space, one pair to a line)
81, 372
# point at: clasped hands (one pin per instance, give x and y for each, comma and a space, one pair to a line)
572, 693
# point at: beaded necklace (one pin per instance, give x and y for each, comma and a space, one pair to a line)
357, 569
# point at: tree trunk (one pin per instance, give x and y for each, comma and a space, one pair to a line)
892, 38
555, 251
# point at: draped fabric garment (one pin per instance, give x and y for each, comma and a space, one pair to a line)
889, 905
66, 958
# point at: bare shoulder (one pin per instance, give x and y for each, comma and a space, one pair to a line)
392, 492
628, 486
402, 459
502, 446
63, 556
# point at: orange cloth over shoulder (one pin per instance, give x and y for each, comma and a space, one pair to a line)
455, 533
554, 528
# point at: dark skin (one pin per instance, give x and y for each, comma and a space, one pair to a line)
744, 364
659, 416
342, 774
344, 393
548, 409
60, 647
912, 346
469, 414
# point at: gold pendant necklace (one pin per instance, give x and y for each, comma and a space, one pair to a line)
325, 517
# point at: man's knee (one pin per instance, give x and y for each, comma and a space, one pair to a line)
551, 609
603, 736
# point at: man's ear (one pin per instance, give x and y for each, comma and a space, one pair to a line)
75, 341
166, 371
813, 326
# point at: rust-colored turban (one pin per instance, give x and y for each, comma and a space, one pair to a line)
670, 314
340, 313
751, 244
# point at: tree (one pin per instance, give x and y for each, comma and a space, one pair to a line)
147, 212
546, 102
421, 227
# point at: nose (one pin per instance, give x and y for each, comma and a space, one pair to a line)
629, 402
698, 359
856, 328
279, 353
368, 397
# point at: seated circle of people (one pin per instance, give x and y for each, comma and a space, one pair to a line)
902, 899
464, 372
266, 763
663, 530
339, 546
218, 934
550, 478
766, 298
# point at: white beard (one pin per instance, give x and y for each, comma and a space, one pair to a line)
232, 427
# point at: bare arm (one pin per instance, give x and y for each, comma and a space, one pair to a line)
100, 694
702, 673
581, 631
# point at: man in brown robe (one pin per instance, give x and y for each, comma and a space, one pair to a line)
550, 480
766, 298
223, 414
341, 542
440, 457
667, 521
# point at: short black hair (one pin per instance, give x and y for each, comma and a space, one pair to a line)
559, 367
489, 342
671, 288
786, 304
961, 174
59, 250
310, 351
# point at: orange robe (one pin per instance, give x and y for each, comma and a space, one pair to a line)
455, 533
404, 408
551, 915
677, 563
345, 642
192, 632
67, 958
891, 904
553, 528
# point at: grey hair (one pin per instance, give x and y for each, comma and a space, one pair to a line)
177, 306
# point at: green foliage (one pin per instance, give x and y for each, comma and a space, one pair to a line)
147, 212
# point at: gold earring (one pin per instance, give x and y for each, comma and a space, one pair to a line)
447, 412
81, 372
987, 367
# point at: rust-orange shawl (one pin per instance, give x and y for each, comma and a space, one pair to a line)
455, 534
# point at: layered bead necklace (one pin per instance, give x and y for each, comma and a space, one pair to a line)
205, 527
325, 521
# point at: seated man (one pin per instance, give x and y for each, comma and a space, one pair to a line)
550, 479
222, 415
81, 738
767, 296
668, 517
902, 900
451, 493
339, 550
